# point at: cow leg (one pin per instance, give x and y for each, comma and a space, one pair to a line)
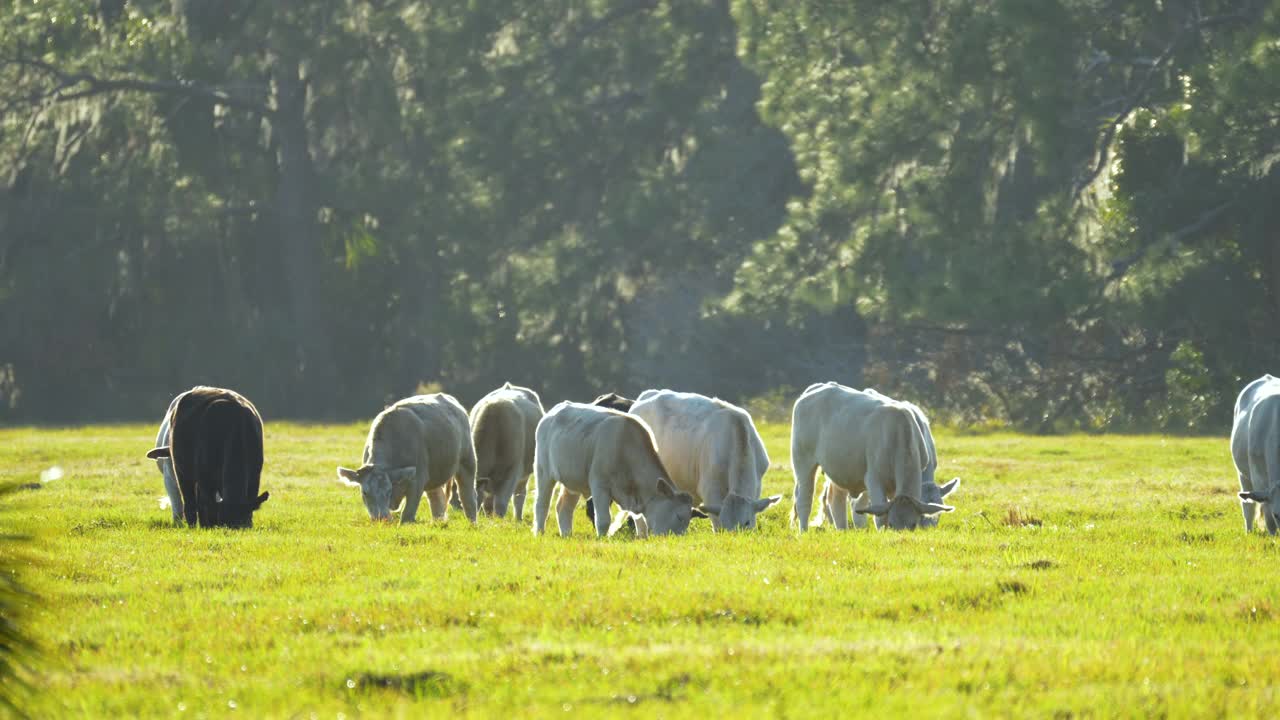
1250, 510
171, 489
467, 484
564, 510
804, 472
542, 485
602, 518
836, 505
522, 488
436, 499
411, 502
874, 494
191, 507
503, 485
864, 502
1271, 522
1248, 507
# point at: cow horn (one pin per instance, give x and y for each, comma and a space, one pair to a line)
925, 508
950, 487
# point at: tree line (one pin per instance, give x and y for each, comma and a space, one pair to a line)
1056, 215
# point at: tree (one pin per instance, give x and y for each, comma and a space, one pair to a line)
960, 159
385, 193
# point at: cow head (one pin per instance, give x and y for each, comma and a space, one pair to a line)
668, 511
737, 512
932, 494
376, 485
235, 513
1268, 501
904, 512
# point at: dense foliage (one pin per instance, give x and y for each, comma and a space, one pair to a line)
1058, 213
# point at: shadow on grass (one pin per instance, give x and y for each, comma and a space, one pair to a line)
423, 684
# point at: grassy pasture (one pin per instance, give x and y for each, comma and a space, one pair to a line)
1080, 576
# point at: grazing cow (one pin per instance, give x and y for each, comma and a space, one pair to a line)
209, 451
1255, 448
613, 401
503, 424
416, 446
609, 455
713, 452
862, 441
834, 502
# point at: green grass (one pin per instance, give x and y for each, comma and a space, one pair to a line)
1136, 594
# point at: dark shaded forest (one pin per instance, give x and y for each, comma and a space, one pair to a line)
1056, 215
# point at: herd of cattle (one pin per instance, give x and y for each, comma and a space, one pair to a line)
663, 459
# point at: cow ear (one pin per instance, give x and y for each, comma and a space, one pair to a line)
873, 510
925, 508
350, 477
402, 473
1253, 496
261, 499
950, 487
763, 503
708, 510
666, 488
157, 453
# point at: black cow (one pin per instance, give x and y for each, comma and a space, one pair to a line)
215, 444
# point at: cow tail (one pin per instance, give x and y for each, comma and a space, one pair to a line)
486, 430
235, 466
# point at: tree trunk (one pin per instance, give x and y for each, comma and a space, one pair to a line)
300, 251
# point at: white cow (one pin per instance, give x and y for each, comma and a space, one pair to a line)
863, 442
1255, 447
503, 424
165, 464
610, 456
835, 499
713, 452
416, 446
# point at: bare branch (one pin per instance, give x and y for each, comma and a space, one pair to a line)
70, 86
558, 54
1206, 219
1138, 97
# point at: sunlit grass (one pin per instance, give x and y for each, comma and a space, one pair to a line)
1081, 575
